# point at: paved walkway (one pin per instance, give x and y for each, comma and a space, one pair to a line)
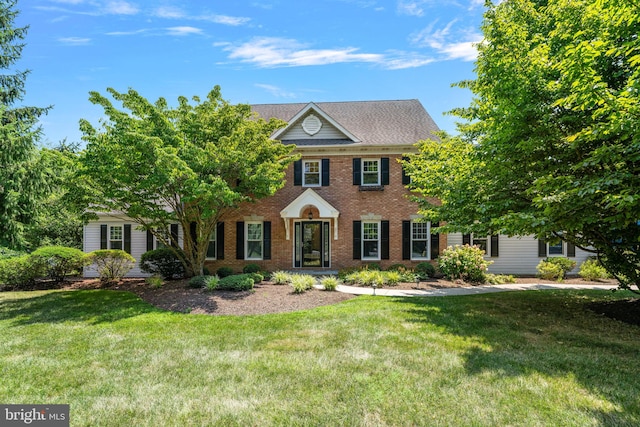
471, 290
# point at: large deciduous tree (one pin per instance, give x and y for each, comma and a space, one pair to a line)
552, 134
23, 182
188, 165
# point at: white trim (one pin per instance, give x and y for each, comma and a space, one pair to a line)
319, 162
378, 240
379, 172
246, 241
428, 251
296, 209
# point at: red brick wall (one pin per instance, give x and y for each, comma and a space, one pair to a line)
391, 204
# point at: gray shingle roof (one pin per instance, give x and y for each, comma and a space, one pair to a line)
372, 122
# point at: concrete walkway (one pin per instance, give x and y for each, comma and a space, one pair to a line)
471, 290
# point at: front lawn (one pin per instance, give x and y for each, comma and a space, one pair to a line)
533, 358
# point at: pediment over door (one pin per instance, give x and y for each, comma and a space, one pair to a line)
309, 198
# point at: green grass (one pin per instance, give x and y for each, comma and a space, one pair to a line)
535, 358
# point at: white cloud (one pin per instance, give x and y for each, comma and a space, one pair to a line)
169, 12
276, 91
183, 31
127, 33
450, 44
119, 7
74, 41
412, 7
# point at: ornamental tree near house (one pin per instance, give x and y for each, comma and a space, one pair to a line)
187, 165
551, 141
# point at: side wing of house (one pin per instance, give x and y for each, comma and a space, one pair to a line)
518, 255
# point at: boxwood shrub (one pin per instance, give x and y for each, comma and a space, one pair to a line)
236, 282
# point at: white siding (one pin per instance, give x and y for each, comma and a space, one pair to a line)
518, 255
138, 242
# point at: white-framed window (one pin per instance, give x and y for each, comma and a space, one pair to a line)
420, 235
115, 237
254, 240
311, 173
211, 249
370, 240
370, 171
556, 249
482, 242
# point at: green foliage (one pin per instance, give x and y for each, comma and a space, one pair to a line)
251, 268
330, 283
257, 277
549, 144
397, 267
565, 263
592, 270
57, 262
156, 281
372, 266
280, 277
499, 279
24, 177
9, 253
464, 263
112, 264
187, 165
210, 283
425, 270
224, 272
392, 278
302, 283
18, 272
236, 282
550, 271
162, 261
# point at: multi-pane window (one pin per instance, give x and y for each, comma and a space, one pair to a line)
311, 173
115, 237
211, 249
420, 240
555, 249
254, 240
371, 172
481, 242
370, 240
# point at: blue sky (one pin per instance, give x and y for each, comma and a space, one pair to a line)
258, 51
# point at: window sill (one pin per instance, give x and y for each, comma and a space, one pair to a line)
372, 188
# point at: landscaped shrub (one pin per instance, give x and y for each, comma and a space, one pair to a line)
111, 264
197, 282
372, 266
257, 277
251, 268
366, 278
330, 283
463, 263
500, 279
236, 282
565, 263
9, 253
302, 283
280, 277
550, 271
592, 270
224, 272
155, 282
162, 261
392, 278
18, 272
57, 262
425, 270
211, 283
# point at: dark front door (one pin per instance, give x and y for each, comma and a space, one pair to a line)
312, 244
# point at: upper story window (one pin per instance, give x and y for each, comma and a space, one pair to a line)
370, 172
311, 173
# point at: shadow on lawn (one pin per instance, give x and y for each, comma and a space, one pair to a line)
92, 307
554, 334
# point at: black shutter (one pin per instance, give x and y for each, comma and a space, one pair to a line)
266, 240
220, 240
127, 238
542, 248
571, 250
149, 240
435, 241
357, 173
384, 165
103, 236
406, 239
357, 240
466, 239
384, 232
325, 172
174, 235
240, 240
297, 172
406, 179
494, 245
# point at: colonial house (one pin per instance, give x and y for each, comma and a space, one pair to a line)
344, 203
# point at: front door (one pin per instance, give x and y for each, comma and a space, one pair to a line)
312, 244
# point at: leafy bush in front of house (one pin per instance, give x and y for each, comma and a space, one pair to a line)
302, 283
197, 281
425, 270
330, 283
549, 271
236, 282
251, 268
155, 281
224, 272
392, 278
592, 270
58, 262
111, 264
280, 277
9, 253
464, 263
500, 279
257, 277
366, 278
565, 263
162, 261
18, 272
